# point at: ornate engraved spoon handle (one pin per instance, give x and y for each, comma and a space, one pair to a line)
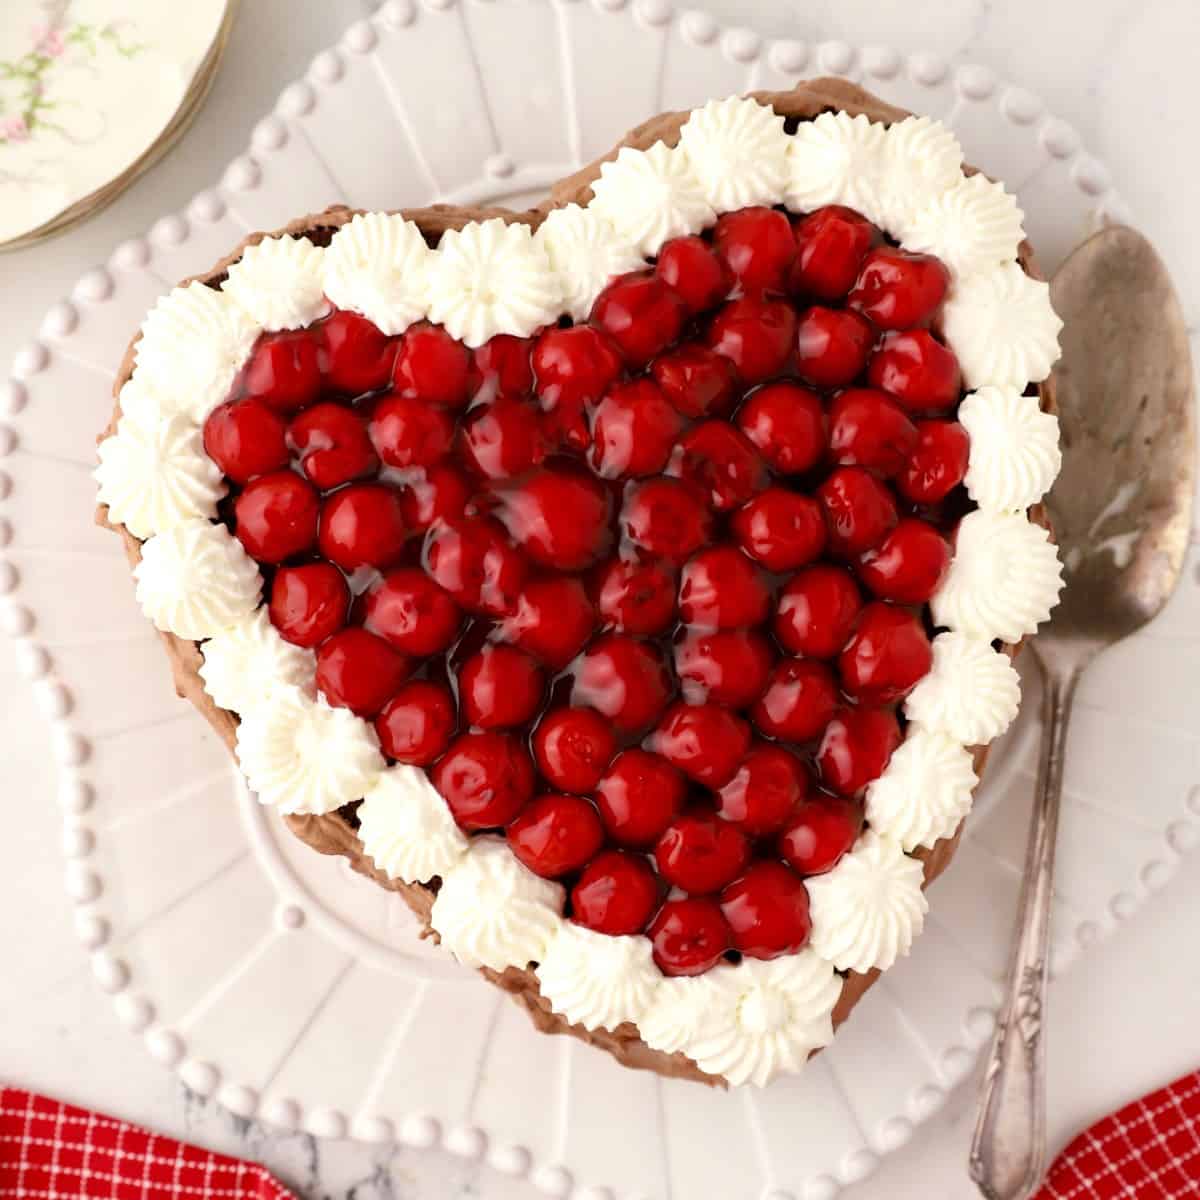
1009, 1143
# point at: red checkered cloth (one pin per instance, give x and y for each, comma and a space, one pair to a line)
53, 1151
1148, 1150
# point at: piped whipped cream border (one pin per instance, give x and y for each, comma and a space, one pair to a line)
757, 1019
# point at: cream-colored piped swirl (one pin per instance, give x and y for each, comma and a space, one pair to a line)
154, 473
1015, 456
971, 693
738, 149
302, 755
406, 828
597, 980
490, 277
924, 792
492, 911
971, 227
1004, 579
921, 160
676, 1011
867, 911
279, 282
195, 578
836, 159
650, 196
585, 252
247, 660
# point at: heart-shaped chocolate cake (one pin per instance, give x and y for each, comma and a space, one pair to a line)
630, 583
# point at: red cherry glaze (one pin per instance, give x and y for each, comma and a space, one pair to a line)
308, 603
486, 778
909, 565
617, 893
410, 612
358, 671
860, 511
887, 655
362, 526
637, 598
501, 367
641, 314
700, 853
633, 431
897, 289
332, 443
504, 438
767, 911
786, 423
432, 367
857, 745
691, 268
560, 518
816, 611
573, 746
624, 679
767, 787
756, 334
552, 620
639, 796
938, 463
757, 246
245, 438
439, 494
832, 346
728, 666
917, 370
689, 935
355, 355
573, 368
869, 429
831, 244
721, 463
722, 589
698, 381
275, 517
410, 432
799, 701
416, 724
472, 560
666, 518
284, 371
819, 832
556, 835
706, 742
780, 528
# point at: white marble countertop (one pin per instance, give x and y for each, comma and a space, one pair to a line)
1121, 1022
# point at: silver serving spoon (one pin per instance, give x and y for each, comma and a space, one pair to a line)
1122, 512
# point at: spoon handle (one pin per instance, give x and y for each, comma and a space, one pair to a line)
1009, 1142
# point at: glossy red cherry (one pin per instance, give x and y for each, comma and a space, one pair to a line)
666, 518
617, 893
639, 796
816, 611
472, 560
556, 835
416, 724
410, 432
358, 671
485, 778
857, 745
559, 517
722, 589
284, 371
897, 289
800, 699
691, 268
332, 443
641, 314
308, 603
759, 799
909, 565
700, 853
410, 612
355, 355
706, 742
831, 244
633, 431
698, 381
552, 620
504, 438
275, 517
689, 935
439, 494
859, 510
832, 346
757, 246
245, 439
767, 911
501, 367
781, 529
624, 680
362, 526
573, 368
637, 597
869, 429
887, 655
727, 666
938, 463
917, 369
721, 463
432, 367
819, 832
786, 423
573, 746
756, 334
